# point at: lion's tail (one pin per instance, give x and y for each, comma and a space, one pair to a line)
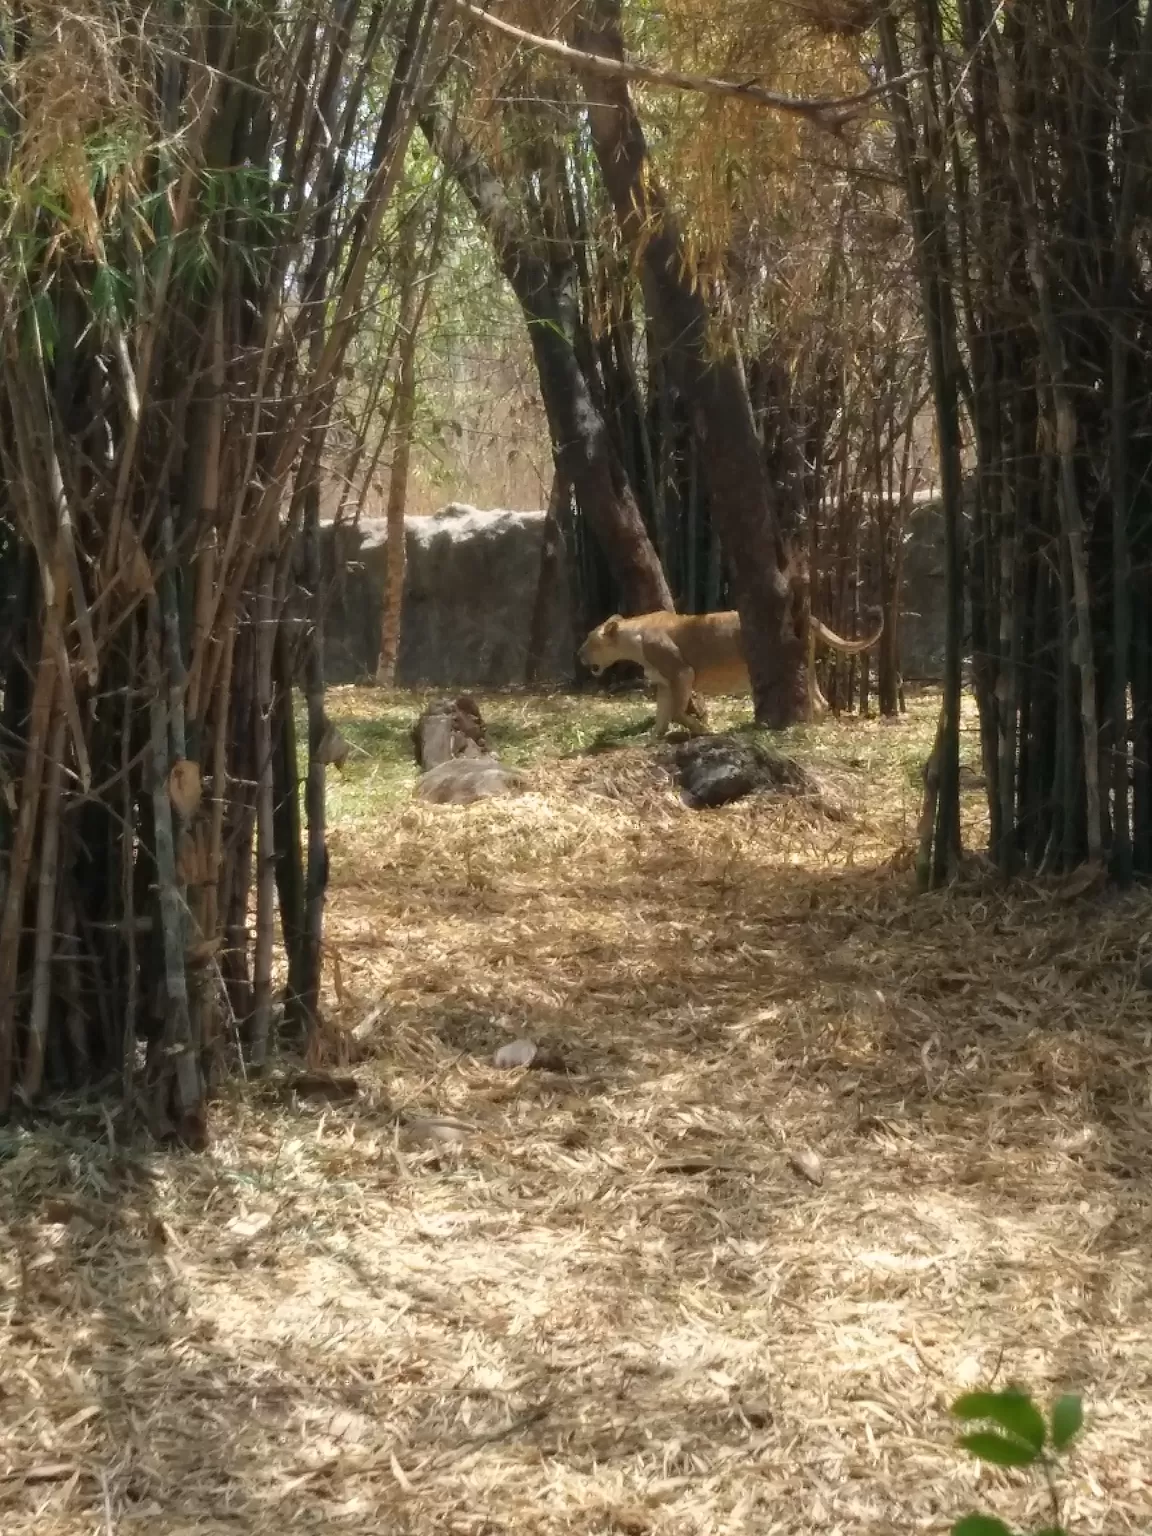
838, 643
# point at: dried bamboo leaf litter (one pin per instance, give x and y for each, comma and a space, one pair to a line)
611, 1304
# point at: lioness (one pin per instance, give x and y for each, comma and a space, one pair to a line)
681, 652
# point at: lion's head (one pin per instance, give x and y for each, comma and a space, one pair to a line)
602, 646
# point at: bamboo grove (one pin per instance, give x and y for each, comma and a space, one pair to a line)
1025, 153
192, 205
218, 227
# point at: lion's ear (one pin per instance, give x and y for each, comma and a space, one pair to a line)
611, 626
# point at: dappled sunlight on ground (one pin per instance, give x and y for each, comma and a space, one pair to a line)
614, 1305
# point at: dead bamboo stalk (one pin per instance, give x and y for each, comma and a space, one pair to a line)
20, 858
261, 1027
176, 1038
202, 114
390, 618
128, 883
1071, 512
46, 886
426, 22
220, 738
65, 525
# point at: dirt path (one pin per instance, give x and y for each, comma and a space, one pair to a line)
614, 1306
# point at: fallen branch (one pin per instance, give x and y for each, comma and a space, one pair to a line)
830, 113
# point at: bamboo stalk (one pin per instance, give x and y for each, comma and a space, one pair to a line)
20, 858
47, 883
261, 1023
930, 228
405, 419
128, 886
1064, 412
177, 1046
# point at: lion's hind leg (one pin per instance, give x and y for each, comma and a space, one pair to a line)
673, 678
681, 699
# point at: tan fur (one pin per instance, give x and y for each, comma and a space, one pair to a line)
686, 652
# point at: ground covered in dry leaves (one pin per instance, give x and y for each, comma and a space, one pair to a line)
613, 1304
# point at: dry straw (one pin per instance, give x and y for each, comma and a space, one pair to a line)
613, 1305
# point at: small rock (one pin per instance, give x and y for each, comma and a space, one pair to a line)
517, 1053
464, 780
631, 1521
758, 1414
322, 1085
249, 1226
548, 1059
687, 1164
431, 1132
805, 1162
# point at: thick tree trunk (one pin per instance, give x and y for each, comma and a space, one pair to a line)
772, 610
583, 447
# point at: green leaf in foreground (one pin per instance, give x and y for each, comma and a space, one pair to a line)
998, 1449
980, 1525
1014, 1412
1067, 1420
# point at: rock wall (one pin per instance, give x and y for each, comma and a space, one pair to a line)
470, 586
469, 589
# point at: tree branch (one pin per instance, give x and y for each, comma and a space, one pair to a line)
829, 113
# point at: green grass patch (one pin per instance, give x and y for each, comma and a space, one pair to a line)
527, 729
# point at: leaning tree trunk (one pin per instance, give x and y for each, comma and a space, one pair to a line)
772, 611
582, 443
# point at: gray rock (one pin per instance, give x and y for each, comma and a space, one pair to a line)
463, 780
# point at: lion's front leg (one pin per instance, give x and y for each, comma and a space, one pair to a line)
673, 677
663, 709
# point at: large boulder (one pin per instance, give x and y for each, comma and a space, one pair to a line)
469, 591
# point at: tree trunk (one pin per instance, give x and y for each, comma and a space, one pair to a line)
404, 420
772, 610
581, 441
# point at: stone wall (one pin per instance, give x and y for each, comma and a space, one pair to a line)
469, 589
470, 586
